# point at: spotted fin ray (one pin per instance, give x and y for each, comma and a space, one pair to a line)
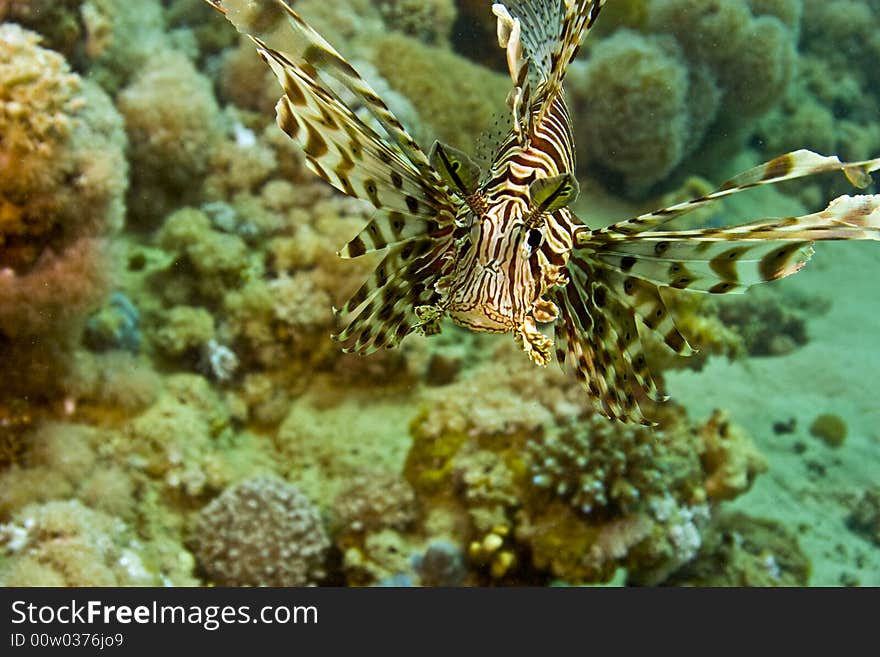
415, 210
540, 39
310, 53
617, 276
382, 311
598, 340
790, 166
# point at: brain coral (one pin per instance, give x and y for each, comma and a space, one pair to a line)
62, 181
261, 532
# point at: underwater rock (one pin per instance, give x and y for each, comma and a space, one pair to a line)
442, 564
865, 516
261, 532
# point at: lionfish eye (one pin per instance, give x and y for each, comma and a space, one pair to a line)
534, 239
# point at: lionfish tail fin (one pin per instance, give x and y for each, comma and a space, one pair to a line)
540, 38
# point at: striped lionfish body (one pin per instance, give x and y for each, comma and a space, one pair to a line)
501, 251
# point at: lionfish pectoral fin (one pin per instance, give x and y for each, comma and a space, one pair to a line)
598, 338
617, 280
416, 211
398, 298
456, 168
554, 193
790, 166
730, 260
299, 47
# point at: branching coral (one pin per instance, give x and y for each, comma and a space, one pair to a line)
261, 532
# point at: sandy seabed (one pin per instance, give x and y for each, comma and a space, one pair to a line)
838, 371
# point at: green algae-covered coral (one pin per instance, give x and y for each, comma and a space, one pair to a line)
429, 21
752, 55
690, 66
172, 119
642, 124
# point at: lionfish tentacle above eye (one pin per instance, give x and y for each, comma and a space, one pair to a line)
415, 209
541, 38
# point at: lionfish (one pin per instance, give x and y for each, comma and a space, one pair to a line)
501, 251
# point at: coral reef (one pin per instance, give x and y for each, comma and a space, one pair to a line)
615, 133
172, 120
770, 323
739, 550
63, 175
691, 67
460, 108
66, 544
173, 408
430, 22
261, 532
533, 485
